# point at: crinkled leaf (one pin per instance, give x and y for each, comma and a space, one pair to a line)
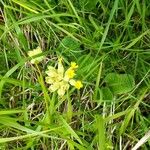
68, 44
120, 83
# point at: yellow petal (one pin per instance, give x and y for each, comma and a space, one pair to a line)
36, 52
51, 68
54, 87
49, 80
70, 73
72, 82
60, 69
51, 72
61, 92
37, 60
74, 65
78, 84
30, 53
59, 77
64, 86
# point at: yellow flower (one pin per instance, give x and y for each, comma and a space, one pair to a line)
74, 65
60, 80
77, 84
69, 74
35, 52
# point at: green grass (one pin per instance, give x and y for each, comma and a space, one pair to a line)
109, 40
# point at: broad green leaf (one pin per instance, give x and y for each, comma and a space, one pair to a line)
69, 45
120, 83
107, 95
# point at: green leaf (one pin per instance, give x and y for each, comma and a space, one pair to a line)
100, 132
11, 122
70, 130
107, 95
88, 67
4, 112
68, 44
120, 83
88, 4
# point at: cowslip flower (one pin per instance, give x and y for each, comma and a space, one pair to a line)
74, 65
35, 52
77, 84
60, 80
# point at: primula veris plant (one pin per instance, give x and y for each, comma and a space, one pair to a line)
60, 80
35, 52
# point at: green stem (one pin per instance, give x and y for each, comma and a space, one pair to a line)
45, 92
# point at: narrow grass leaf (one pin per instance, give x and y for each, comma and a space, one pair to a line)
9, 139
16, 82
134, 41
98, 80
6, 112
117, 115
70, 130
100, 127
131, 113
128, 17
75, 12
114, 8
11, 71
25, 5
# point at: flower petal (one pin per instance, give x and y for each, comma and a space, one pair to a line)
36, 52
61, 92
51, 72
78, 84
49, 80
74, 65
60, 69
69, 74
54, 87
72, 82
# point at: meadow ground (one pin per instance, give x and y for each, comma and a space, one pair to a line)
109, 40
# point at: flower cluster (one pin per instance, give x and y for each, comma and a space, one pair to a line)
60, 80
35, 52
